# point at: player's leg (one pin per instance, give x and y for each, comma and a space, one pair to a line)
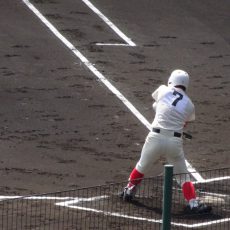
149, 154
135, 177
129, 191
184, 180
177, 159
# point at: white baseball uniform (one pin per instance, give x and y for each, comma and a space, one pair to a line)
173, 109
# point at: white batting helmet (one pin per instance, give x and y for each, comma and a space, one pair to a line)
179, 77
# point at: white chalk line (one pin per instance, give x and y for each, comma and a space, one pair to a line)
70, 204
88, 64
91, 67
99, 75
209, 181
212, 180
110, 24
214, 195
74, 200
111, 44
2, 198
193, 172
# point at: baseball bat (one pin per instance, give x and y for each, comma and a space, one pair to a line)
187, 135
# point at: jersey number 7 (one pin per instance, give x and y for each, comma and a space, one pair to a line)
179, 97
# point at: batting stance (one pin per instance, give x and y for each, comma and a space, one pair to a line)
173, 109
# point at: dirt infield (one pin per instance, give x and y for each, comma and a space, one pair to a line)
61, 128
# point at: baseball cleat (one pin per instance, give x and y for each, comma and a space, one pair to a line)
128, 193
200, 209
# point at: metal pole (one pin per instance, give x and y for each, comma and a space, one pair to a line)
167, 197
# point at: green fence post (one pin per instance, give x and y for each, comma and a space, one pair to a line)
167, 197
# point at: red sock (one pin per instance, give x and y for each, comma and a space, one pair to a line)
135, 177
189, 191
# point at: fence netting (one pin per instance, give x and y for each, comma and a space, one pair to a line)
101, 207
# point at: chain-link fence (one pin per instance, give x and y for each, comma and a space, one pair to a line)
101, 207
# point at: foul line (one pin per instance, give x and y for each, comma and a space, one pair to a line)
212, 180
91, 67
110, 24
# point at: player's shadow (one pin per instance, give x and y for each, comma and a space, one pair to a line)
146, 206
179, 214
197, 216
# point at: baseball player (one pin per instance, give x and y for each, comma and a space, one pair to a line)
173, 109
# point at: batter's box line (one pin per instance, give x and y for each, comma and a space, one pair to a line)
128, 41
72, 204
111, 44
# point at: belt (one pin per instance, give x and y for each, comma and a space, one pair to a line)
175, 134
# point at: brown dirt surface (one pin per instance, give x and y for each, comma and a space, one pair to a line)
61, 128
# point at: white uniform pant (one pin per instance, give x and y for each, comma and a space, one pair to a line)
164, 144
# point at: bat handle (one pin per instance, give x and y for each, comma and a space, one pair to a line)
187, 135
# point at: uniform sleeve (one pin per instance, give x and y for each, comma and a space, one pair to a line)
154, 106
192, 115
155, 94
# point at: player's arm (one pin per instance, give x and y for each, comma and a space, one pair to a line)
191, 117
155, 98
158, 92
154, 106
155, 94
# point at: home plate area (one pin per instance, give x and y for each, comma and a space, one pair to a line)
102, 208
145, 212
